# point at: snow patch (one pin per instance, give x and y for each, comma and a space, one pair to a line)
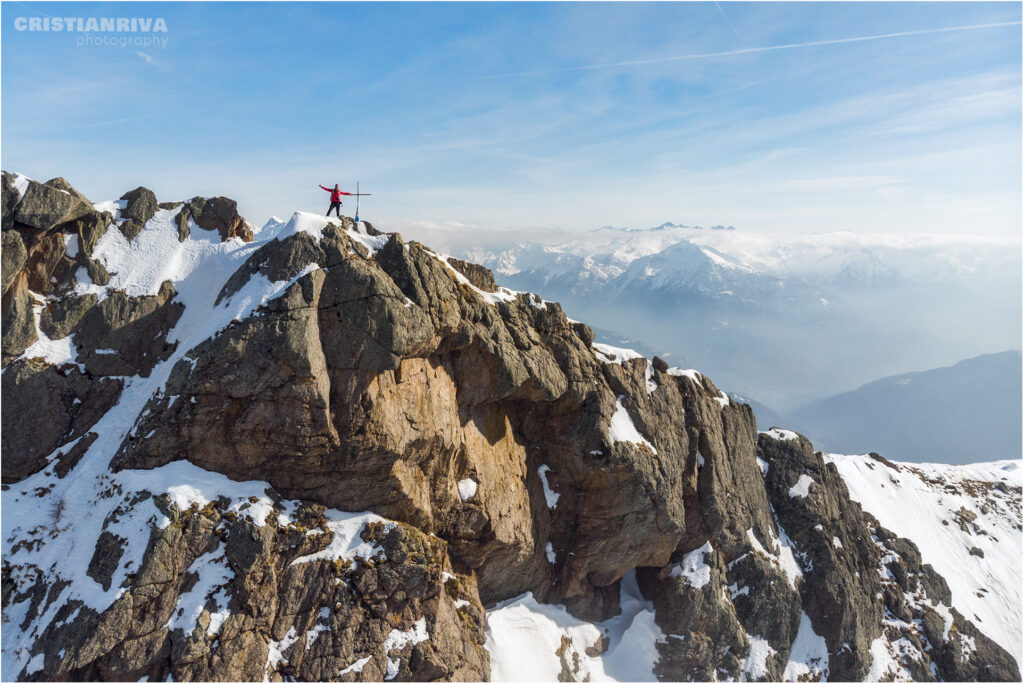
550, 495
467, 489
809, 656
693, 568
802, 487
924, 509
777, 433
346, 543
356, 666
214, 574
622, 429
21, 182
688, 373
523, 637
755, 665
609, 354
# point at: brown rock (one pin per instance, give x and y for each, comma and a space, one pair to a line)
219, 214
19, 326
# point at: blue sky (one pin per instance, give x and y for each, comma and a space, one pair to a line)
539, 116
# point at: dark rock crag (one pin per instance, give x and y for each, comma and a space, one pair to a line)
377, 382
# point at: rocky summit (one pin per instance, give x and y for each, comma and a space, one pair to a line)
315, 451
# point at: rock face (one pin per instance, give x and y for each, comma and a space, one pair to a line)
502, 451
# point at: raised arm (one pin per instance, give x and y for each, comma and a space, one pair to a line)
327, 189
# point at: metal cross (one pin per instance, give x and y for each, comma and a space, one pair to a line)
357, 196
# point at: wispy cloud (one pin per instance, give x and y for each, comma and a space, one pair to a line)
143, 55
751, 50
117, 122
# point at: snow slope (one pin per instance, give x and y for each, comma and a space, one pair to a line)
921, 501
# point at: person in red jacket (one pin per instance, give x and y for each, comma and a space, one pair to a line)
336, 194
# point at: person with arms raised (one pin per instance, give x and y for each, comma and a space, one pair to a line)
336, 194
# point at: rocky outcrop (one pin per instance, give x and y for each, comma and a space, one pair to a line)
46, 205
11, 195
480, 277
61, 405
501, 450
218, 214
140, 207
125, 335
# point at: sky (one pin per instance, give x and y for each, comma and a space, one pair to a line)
804, 117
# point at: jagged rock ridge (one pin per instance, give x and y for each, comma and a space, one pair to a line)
205, 409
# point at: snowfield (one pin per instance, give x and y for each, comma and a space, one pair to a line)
927, 504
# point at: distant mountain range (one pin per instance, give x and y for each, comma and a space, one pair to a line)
967, 412
783, 318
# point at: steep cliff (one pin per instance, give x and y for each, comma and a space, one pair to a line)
321, 453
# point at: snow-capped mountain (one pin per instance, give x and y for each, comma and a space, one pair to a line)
818, 259
317, 452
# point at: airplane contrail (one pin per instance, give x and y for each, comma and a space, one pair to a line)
724, 16
745, 51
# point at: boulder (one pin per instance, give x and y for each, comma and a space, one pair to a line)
140, 207
90, 228
141, 204
47, 205
219, 214
45, 256
181, 220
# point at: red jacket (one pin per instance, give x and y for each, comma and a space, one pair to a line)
336, 194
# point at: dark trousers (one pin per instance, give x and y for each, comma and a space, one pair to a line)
336, 206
